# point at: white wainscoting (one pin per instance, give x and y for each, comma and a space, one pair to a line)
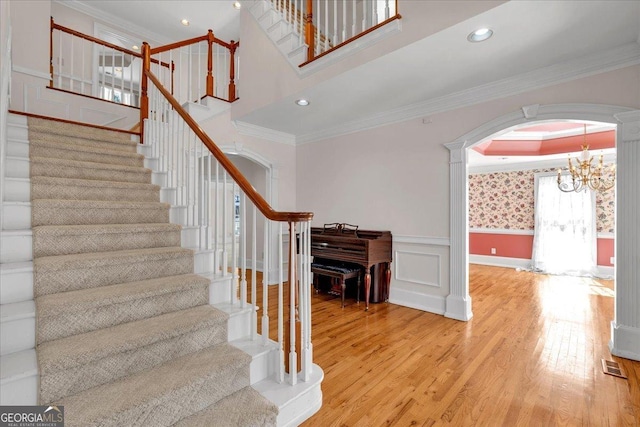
420, 276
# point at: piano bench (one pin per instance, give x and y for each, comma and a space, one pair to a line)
341, 274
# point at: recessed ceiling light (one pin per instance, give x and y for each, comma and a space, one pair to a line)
302, 102
480, 35
135, 47
185, 22
237, 5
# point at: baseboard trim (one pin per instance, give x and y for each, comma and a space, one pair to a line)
604, 271
430, 303
625, 341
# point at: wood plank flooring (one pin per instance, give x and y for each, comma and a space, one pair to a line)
529, 357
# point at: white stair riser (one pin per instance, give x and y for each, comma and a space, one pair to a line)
159, 178
239, 325
268, 18
178, 215
17, 167
16, 216
219, 290
17, 127
17, 335
17, 148
17, 190
151, 163
16, 285
278, 30
190, 237
300, 408
298, 55
289, 42
144, 149
203, 262
20, 391
16, 247
168, 195
263, 366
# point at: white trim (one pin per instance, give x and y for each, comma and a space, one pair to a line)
499, 261
31, 72
627, 341
397, 272
525, 165
430, 303
249, 129
523, 232
612, 59
422, 240
501, 231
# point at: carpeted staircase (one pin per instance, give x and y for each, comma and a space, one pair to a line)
125, 335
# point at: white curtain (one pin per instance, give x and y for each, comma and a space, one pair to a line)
564, 239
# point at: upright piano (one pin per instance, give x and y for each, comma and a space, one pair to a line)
344, 244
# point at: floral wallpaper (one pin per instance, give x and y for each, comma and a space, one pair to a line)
505, 200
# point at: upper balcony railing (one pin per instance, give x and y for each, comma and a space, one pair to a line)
326, 25
191, 69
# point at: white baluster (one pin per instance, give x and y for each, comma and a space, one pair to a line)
59, 60
234, 255
225, 216
344, 20
307, 348
374, 13
122, 77
243, 250
326, 25
209, 245
280, 307
254, 280
387, 15
364, 15
293, 357
353, 18
265, 284
335, 22
216, 240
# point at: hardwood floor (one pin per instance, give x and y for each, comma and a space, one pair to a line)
529, 357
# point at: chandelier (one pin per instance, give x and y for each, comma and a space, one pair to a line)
584, 175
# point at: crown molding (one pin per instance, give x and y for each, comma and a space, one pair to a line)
249, 129
87, 9
528, 165
612, 59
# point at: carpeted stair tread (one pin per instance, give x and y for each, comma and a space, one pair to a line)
73, 239
70, 365
84, 133
63, 168
85, 348
163, 395
246, 408
84, 153
85, 212
64, 273
47, 187
75, 312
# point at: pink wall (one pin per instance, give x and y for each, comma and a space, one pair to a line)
521, 246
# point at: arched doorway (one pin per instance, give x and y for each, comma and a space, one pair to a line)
626, 326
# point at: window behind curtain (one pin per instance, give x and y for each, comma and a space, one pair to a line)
564, 239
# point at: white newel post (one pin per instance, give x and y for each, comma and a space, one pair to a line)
458, 302
625, 328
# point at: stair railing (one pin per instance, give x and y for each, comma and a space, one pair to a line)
193, 69
205, 66
231, 218
85, 65
329, 25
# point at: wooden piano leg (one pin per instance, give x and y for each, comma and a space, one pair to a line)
367, 289
343, 288
387, 281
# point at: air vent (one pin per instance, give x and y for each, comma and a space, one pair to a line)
613, 368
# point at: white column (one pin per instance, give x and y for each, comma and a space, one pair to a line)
625, 328
458, 302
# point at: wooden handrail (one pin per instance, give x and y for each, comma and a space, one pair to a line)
187, 42
237, 176
92, 39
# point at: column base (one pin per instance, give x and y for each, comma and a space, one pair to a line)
625, 341
458, 307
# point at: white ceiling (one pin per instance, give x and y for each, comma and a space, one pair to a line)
532, 40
